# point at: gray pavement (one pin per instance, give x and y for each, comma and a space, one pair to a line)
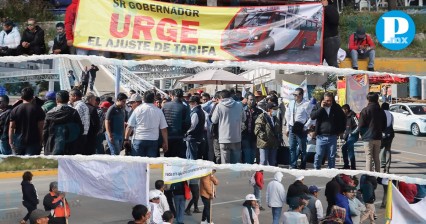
408, 158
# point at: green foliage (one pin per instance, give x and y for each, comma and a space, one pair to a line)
20, 11
350, 20
17, 164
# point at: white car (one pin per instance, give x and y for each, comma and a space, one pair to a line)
409, 117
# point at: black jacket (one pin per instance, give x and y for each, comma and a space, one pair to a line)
256, 113
177, 117
178, 188
296, 189
329, 124
95, 123
351, 124
61, 130
372, 122
34, 38
4, 123
93, 71
29, 193
60, 43
331, 21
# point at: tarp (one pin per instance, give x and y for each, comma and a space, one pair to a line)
177, 173
357, 88
399, 211
263, 33
111, 180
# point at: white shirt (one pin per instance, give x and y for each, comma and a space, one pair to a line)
327, 109
194, 120
302, 112
320, 210
164, 205
156, 214
83, 111
147, 120
294, 218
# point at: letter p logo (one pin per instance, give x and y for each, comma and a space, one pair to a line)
395, 30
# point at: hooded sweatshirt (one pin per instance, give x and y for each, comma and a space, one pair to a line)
275, 192
229, 114
10, 40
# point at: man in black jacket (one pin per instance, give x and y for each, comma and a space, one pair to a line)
32, 41
60, 42
93, 69
94, 124
350, 137
62, 127
331, 42
178, 122
194, 135
330, 122
248, 139
372, 123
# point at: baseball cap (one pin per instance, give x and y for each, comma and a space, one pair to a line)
251, 197
38, 214
313, 189
300, 177
135, 98
360, 32
105, 104
153, 194
271, 105
51, 95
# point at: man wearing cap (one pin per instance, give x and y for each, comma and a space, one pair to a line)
146, 122
50, 101
194, 135
362, 46
315, 205
62, 127
133, 102
297, 189
39, 217
56, 203
156, 211
9, 39
268, 131
93, 69
297, 120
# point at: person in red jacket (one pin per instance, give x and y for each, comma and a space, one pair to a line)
258, 186
362, 46
409, 191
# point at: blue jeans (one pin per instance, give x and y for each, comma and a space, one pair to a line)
248, 147
179, 201
276, 214
297, 146
115, 146
348, 151
325, 145
371, 55
144, 148
99, 144
258, 194
5, 148
268, 157
192, 149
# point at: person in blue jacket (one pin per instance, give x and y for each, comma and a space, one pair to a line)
343, 202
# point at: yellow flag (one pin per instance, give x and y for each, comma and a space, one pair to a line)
263, 89
388, 214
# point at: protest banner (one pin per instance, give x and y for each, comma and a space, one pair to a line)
399, 211
263, 33
341, 92
177, 173
287, 89
357, 87
111, 180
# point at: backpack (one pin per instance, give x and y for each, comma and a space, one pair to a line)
252, 179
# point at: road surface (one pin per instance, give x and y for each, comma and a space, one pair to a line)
408, 158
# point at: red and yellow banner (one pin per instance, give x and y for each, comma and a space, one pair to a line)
281, 34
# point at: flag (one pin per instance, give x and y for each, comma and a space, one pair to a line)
110, 180
304, 86
399, 211
263, 89
287, 89
173, 173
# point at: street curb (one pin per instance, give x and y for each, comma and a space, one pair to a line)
18, 174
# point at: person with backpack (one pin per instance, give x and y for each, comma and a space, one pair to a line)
388, 135
85, 76
250, 214
256, 180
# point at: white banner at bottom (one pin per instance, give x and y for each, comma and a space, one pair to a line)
110, 180
173, 174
